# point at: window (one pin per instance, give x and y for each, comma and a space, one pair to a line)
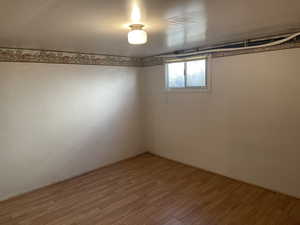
190, 74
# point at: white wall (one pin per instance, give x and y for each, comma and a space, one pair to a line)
58, 121
247, 127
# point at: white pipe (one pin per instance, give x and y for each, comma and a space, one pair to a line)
233, 49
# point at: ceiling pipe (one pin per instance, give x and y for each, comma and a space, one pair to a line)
202, 52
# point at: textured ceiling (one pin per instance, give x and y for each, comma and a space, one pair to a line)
98, 26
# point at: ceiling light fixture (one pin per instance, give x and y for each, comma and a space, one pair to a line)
137, 36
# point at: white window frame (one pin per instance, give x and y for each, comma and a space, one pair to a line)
191, 89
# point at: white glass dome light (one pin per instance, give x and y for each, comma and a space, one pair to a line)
137, 36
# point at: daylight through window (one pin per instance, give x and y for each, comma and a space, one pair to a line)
191, 74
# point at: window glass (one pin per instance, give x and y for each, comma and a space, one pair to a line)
176, 78
196, 73
190, 74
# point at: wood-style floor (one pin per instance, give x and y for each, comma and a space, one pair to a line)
149, 190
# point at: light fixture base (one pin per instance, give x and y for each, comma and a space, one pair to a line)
136, 26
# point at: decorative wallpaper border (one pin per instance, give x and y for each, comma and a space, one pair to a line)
257, 50
154, 60
59, 57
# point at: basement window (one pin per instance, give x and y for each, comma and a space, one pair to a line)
187, 74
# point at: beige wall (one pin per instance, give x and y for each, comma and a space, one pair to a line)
247, 127
58, 121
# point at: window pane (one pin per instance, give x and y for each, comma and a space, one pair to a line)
196, 73
176, 75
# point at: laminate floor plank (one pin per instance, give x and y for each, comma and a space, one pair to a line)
150, 190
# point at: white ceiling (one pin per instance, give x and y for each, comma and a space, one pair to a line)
98, 26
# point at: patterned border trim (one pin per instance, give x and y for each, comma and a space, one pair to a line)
154, 61
57, 57
257, 50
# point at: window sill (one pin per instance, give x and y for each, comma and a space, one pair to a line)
187, 90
